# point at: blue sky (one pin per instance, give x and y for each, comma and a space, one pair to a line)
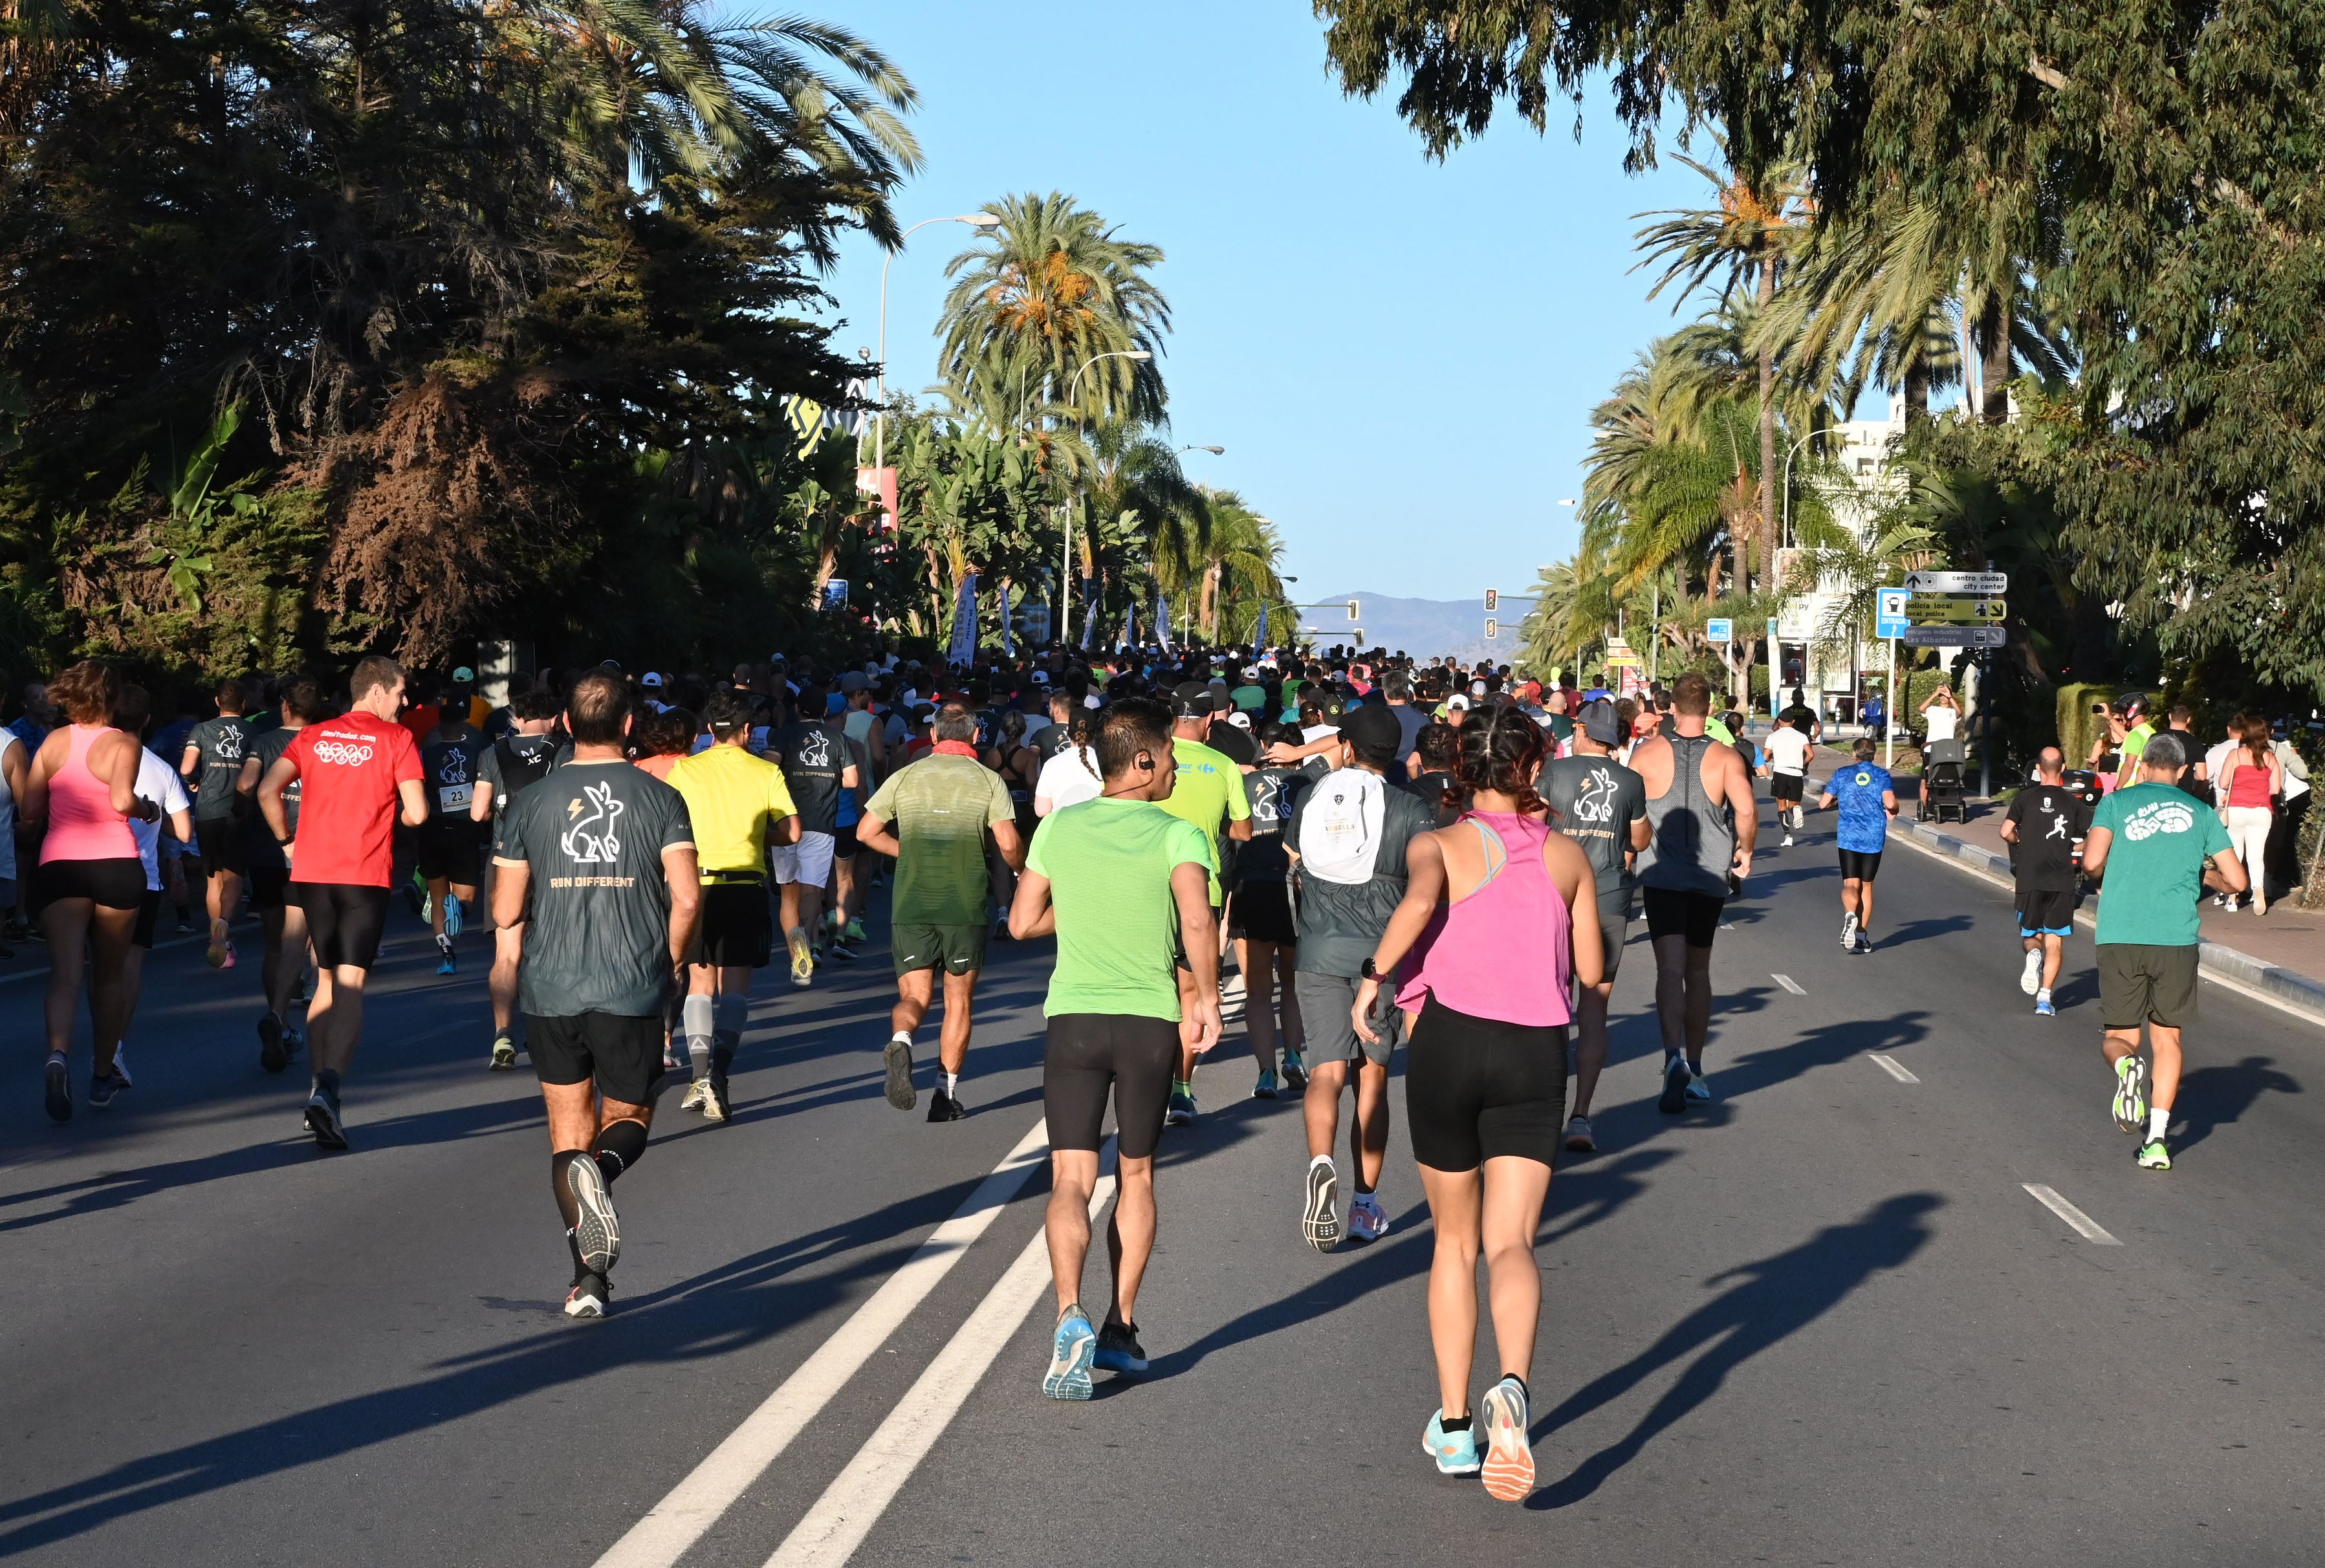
1399, 356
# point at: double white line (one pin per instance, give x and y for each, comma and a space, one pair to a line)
837, 1525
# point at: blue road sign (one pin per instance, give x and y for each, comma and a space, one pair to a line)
1721, 630
1889, 614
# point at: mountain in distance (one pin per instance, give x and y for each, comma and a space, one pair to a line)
1422, 627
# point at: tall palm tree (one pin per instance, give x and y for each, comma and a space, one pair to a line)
1129, 487
1235, 555
1040, 296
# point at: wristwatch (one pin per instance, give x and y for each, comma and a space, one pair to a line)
1371, 970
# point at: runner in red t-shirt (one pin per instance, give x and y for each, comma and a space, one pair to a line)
353, 772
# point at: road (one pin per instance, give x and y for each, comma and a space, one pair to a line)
1823, 1322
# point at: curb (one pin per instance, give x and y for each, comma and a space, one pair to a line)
2293, 989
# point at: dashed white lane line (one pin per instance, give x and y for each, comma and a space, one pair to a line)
1789, 984
1890, 1065
841, 1518
695, 1504
2088, 1229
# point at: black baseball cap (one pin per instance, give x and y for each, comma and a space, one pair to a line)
1601, 723
1373, 730
1191, 700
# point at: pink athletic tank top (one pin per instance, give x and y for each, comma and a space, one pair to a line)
2248, 785
82, 823
1488, 960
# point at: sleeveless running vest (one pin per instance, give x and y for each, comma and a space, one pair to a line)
1694, 846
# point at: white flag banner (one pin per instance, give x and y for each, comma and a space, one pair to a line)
1008, 644
1163, 620
963, 650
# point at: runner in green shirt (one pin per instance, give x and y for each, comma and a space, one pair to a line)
1126, 888
1210, 791
932, 817
2158, 848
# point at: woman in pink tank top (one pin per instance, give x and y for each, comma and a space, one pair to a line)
90, 880
1504, 910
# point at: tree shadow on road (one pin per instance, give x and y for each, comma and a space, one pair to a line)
1769, 1302
2213, 1097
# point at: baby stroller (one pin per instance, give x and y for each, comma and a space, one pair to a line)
1941, 781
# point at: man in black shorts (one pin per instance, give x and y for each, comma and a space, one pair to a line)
212, 764
1702, 821
284, 966
353, 773
509, 767
446, 848
606, 854
2044, 827
1126, 888
1602, 806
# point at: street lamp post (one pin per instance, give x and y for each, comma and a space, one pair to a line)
1066, 548
977, 220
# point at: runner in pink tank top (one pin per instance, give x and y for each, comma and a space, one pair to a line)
82, 823
1504, 911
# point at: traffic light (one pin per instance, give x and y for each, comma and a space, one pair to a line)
1493, 628
1493, 602
1352, 609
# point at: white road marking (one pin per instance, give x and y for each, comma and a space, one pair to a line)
1889, 1065
679, 1521
853, 1503
1789, 984
2088, 1229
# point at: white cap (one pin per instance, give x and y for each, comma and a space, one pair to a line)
1457, 701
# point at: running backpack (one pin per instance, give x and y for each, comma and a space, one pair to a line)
1340, 826
519, 774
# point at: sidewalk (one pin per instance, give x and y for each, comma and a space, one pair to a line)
2279, 954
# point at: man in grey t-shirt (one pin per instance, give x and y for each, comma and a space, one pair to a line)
598, 860
1602, 806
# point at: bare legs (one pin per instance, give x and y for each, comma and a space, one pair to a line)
917, 990
1496, 1211
1368, 1134
72, 927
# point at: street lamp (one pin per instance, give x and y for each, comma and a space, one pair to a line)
1215, 452
977, 220
1066, 548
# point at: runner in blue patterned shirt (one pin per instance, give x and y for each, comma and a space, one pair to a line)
1866, 800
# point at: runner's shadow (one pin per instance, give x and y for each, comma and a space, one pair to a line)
1592, 1189
2213, 1097
1917, 930
1769, 1302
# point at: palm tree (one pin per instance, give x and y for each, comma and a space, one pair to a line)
1130, 485
1237, 554
1037, 299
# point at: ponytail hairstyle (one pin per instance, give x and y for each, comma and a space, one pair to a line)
1502, 754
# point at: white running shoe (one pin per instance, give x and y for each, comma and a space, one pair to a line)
1317, 1222
1849, 931
2029, 979
694, 1092
1787, 843
1367, 1221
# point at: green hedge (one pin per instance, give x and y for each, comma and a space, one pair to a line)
2078, 727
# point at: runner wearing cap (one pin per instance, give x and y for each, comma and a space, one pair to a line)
1602, 806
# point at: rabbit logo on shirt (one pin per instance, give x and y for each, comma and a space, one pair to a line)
590, 839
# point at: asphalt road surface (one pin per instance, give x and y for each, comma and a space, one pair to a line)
1824, 1322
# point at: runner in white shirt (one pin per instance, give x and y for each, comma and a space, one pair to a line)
157, 782
1785, 766
1067, 779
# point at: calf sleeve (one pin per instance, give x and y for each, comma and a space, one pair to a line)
619, 1146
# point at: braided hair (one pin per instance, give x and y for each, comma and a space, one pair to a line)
1501, 755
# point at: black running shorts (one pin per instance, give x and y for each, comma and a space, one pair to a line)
1787, 786
149, 911
2140, 983
1478, 1088
113, 882
736, 931
1861, 865
344, 920
623, 1056
1671, 913
1091, 1053
224, 847
1262, 912
268, 884
2043, 911
449, 851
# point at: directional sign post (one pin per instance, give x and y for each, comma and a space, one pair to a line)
1889, 623
1994, 583
1720, 629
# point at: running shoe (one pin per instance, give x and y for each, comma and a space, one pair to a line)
215, 955
592, 1296
2042, 1008
415, 893
1698, 1087
1509, 1448
803, 961
2030, 978
1182, 1111
270, 1054
854, 932
446, 962
121, 1063
1295, 1072
103, 1087
57, 1079
1071, 1352
896, 1056
1849, 931
715, 1106
838, 949
1456, 1453
323, 1119
1864, 941
1677, 1081
503, 1053
452, 914
1118, 1349
1266, 1088
598, 1231
428, 906
1367, 1221
294, 1042
229, 960
1318, 1221
694, 1093
943, 1106
2130, 1105
1786, 844
2153, 1157
1577, 1135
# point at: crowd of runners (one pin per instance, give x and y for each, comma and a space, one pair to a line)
1376, 852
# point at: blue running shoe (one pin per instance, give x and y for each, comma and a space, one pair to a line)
2042, 1008
1456, 1453
451, 914
1071, 1354
1118, 1349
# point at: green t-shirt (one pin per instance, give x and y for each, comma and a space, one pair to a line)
2154, 870
941, 807
1210, 790
1109, 864
1250, 698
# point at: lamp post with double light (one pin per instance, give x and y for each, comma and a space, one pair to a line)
1066, 549
980, 221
